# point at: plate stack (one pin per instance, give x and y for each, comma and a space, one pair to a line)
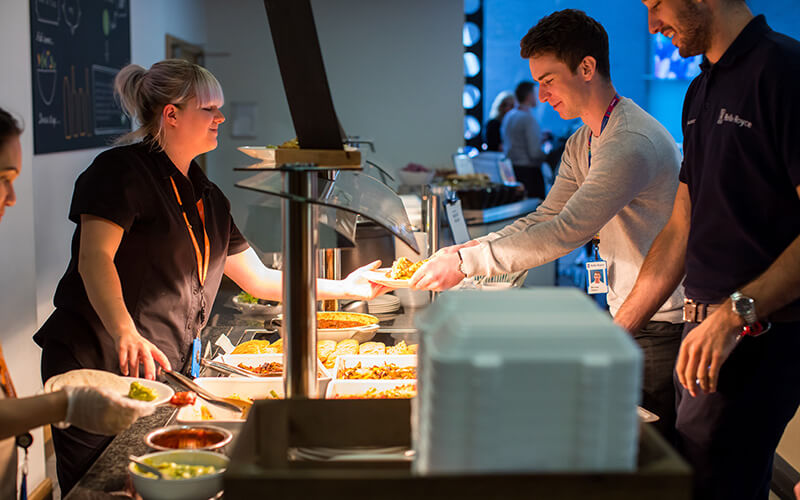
384, 304
533, 380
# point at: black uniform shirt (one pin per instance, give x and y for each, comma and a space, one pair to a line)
156, 261
741, 129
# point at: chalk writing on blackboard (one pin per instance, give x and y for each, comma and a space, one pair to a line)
77, 48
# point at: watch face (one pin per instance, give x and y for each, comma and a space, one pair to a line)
744, 305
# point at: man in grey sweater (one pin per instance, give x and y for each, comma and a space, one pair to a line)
618, 178
522, 141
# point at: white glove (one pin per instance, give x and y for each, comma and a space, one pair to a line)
102, 411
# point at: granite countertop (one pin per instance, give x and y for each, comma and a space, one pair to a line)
108, 476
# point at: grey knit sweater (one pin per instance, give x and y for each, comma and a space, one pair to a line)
627, 196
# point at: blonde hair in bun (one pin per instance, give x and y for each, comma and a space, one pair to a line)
144, 93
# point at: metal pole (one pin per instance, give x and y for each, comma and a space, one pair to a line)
300, 241
432, 224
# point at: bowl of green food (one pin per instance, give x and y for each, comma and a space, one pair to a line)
186, 475
247, 304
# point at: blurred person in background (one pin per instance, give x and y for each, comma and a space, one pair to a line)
502, 104
522, 141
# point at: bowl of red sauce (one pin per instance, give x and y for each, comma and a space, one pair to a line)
188, 437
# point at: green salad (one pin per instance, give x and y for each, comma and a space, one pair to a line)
246, 298
171, 470
141, 392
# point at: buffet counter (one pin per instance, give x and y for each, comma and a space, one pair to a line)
108, 477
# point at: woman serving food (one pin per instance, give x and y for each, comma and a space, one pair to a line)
154, 236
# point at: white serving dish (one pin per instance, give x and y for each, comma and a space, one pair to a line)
260, 359
225, 387
355, 387
351, 360
194, 488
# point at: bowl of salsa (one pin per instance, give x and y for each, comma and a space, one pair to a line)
188, 437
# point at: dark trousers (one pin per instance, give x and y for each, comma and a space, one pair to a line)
660, 342
76, 450
531, 177
729, 437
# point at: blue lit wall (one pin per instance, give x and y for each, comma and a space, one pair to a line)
507, 21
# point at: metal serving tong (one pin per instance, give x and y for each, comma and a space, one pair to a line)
189, 384
227, 369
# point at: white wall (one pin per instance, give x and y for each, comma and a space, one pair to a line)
35, 234
394, 69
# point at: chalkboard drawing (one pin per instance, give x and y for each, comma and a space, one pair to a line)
46, 76
108, 116
72, 14
47, 11
76, 106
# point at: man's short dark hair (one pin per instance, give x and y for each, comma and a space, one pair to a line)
523, 90
570, 35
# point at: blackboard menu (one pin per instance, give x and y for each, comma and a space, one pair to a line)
77, 48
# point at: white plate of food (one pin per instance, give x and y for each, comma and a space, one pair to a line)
160, 393
397, 276
381, 277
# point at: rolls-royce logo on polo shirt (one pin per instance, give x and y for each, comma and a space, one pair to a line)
724, 116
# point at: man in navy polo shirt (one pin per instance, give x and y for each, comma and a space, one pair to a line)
734, 232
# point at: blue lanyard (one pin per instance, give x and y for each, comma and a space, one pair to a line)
611, 107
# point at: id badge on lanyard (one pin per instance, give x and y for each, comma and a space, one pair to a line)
596, 271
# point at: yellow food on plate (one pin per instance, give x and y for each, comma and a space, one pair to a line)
324, 349
372, 348
348, 346
277, 345
205, 413
404, 269
254, 347
400, 348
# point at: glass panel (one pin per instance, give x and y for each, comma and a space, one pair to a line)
472, 66
471, 34
353, 192
471, 96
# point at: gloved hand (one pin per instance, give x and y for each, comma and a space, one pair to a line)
102, 411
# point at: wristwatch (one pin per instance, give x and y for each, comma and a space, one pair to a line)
745, 307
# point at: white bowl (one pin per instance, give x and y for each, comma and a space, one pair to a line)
415, 178
180, 489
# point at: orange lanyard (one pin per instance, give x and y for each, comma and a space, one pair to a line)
202, 259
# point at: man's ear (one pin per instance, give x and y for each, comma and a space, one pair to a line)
587, 68
170, 114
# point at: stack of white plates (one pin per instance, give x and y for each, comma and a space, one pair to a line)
384, 304
537, 379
